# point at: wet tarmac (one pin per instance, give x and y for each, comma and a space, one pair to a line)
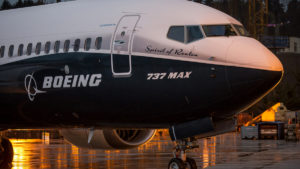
223, 151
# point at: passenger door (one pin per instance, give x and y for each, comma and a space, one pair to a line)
121, 46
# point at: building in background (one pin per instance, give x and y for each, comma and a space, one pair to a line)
294, 46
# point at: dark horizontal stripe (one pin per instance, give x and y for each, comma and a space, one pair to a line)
131, 101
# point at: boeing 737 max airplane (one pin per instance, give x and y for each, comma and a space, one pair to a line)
107, 73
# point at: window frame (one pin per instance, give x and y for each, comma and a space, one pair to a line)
56, 46
237, 30
11, 50
87, 48
2, 51
29, 46
98, 43
38, 48
184, 33
76, 46
47, 47
228, 24
67, 45
21, 49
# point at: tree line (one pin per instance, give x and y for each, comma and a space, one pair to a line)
22, 3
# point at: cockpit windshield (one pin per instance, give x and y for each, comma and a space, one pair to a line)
185, 34
219, 30
191, 33
242, 31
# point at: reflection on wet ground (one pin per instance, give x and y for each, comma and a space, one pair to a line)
56, 153
223, 150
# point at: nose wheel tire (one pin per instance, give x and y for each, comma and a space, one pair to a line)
191, 163
180, 161
176, 163
6, 153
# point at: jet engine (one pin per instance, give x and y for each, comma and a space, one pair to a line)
107, 138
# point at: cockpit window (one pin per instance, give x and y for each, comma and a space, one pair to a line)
185, 34
219, 30
176, 33
193, 33
242, 31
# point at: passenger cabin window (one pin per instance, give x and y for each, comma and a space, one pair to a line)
20, 50
176, 33
87, 44
219, 30
2, 50
47, 47
98, 43
29, 49
76, 45
38, 48
56, 46
67, 46
193, 33
11, 51
241, 30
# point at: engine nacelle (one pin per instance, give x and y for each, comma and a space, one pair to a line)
107, 138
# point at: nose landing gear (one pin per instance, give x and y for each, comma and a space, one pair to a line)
180, 161
6, 153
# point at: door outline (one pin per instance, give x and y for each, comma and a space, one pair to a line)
123, 74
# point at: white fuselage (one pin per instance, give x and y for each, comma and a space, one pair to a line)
94, 18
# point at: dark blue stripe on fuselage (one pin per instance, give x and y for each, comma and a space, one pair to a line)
131, 101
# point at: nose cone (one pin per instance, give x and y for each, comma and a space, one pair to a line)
248, 52
253, 72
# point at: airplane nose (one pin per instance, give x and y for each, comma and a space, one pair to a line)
253, 70
248, 52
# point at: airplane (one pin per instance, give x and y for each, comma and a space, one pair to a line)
108, 73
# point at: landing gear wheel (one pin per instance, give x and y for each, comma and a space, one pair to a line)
180, 161
191, 163
176, 163
6, 153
